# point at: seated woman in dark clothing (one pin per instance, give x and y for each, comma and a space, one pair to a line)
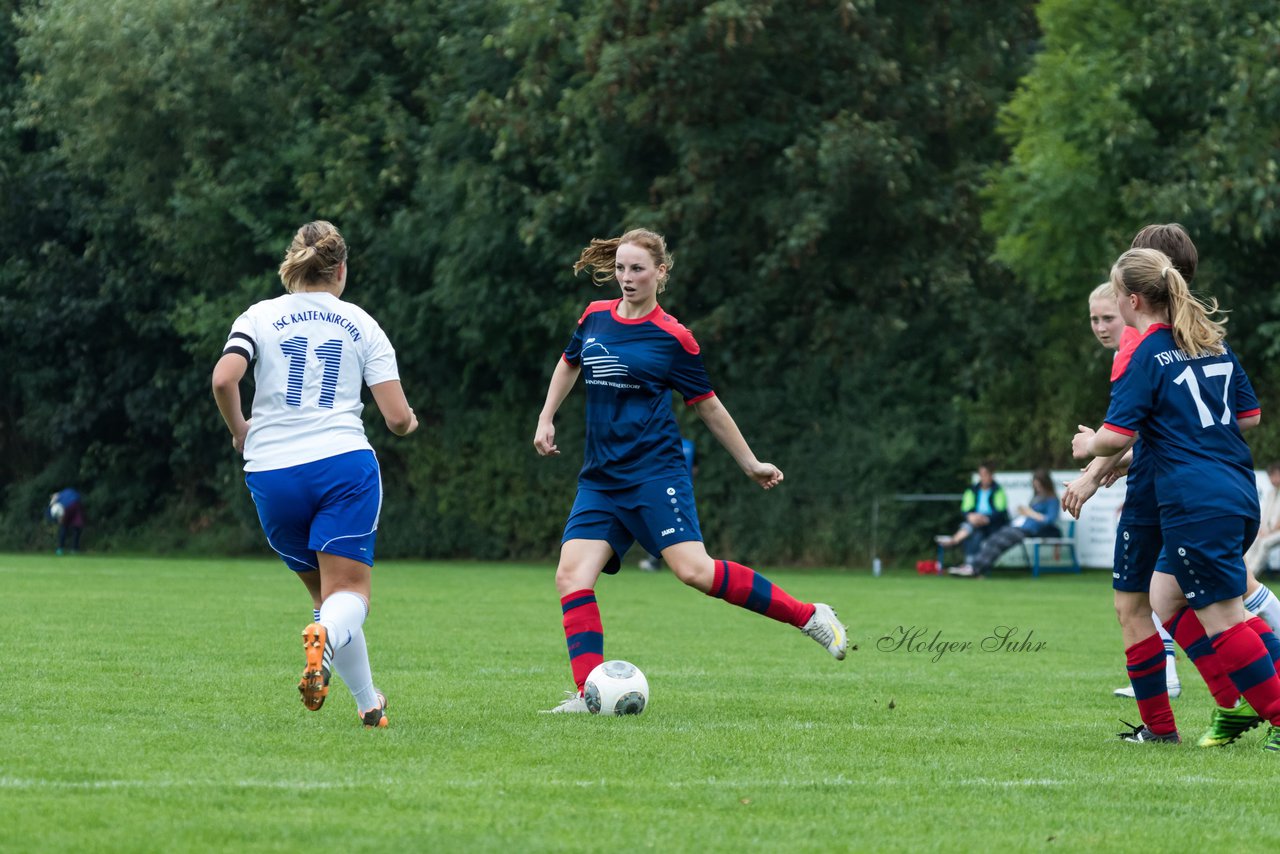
1038, 520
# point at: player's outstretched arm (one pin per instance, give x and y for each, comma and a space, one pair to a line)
394, 407
725, 429
226, 392
562, 380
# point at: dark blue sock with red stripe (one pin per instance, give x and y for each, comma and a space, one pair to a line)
743, 586
1146, 661
1245, 658
584, 633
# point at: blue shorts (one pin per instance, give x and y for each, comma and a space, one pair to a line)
1137, 552
1207, 558
657, 514
330, 505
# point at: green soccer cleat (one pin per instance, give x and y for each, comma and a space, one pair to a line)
1272, 741
1229, 724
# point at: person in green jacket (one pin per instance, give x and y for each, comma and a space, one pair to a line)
985, 510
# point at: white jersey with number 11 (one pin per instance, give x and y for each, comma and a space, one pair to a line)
311, 353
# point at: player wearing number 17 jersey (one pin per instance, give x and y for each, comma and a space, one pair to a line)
309, 467
1186, 393
634, 483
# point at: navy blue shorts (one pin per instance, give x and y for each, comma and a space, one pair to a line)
1207, 558
330, 505
1138, 549
656, 514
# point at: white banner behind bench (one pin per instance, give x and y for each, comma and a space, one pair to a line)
1096, 528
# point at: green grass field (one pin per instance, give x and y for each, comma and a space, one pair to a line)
150, 705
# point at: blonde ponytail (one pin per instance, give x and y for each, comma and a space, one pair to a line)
1194, 328
1150, 274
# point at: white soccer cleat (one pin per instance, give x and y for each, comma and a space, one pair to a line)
572, 703
827, 630
1175, 691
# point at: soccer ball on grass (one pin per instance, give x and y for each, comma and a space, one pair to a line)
616, 688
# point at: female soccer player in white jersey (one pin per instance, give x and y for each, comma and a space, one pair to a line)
308, 464
1186, 393
634, 484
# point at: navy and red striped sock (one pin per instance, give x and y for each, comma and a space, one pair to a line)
584, 633
1263, 630
743, 586
1245, 658
1146, 660
1185, 628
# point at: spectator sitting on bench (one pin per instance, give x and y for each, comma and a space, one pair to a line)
986, 510
1038, 520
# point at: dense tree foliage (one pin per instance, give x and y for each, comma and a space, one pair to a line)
1133, 114
817, 166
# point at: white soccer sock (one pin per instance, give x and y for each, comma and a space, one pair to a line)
1265, 605
1170, 665
352, 664
316, 613
342, 616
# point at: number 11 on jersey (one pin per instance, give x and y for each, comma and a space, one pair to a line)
329, 353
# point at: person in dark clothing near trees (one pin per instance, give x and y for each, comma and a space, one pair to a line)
67, 510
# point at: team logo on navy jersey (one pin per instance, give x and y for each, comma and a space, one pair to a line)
601, 362
604, 368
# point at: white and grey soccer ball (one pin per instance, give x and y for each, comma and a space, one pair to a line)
616, 688
57, 511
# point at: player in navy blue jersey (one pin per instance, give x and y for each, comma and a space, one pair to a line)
1139, 541
309, 467
635, 484
1188, 395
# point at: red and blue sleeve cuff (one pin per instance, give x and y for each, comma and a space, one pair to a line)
568, 361
690, 401
1123, 431
1249, 413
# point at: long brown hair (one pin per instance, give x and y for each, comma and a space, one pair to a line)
1171, 239
601, 256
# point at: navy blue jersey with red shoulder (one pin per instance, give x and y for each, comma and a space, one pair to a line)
1186, 411
1140, 504
629, 368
